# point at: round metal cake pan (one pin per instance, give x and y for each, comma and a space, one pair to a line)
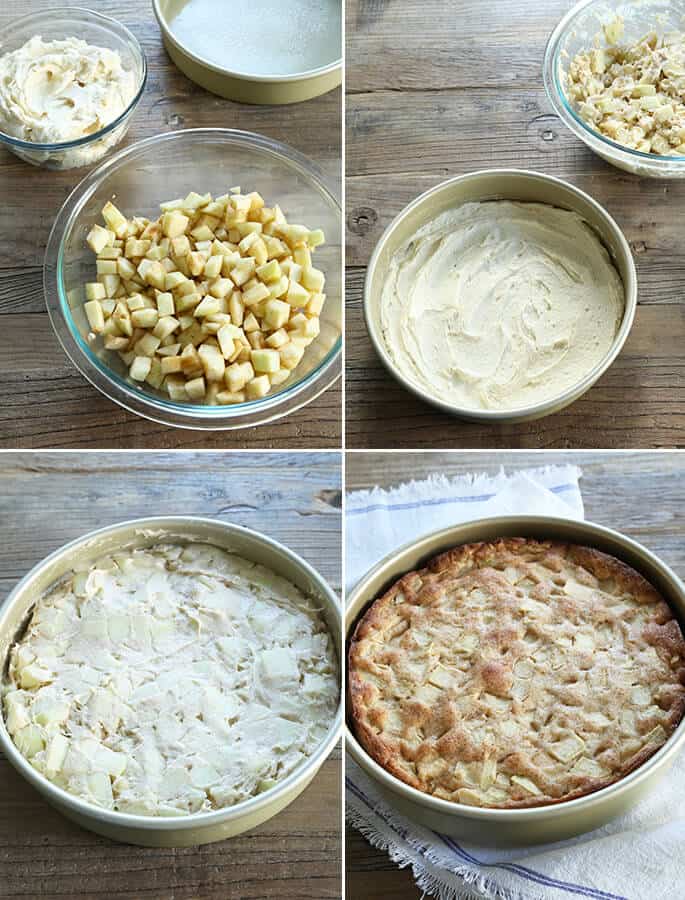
241, 86
499, 184
200, 828
517, 827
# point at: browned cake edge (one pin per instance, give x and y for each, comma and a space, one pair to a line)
464, 557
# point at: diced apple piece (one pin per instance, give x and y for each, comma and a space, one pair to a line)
276, 313
176, 388
195, 262
106, 267
17, 714
226, 341
165, 304
174, 280
237, 375
315, 304
98, 238
56, 754
277, 339
298, 296
125, 268
212, 362
187, 302
236, 308
221, 287
135, 248
29, 741
213, 267
265, 361
255, 294
250, 324
243, 271
147, 345
313, 279
153, 273
95, 291
140, 368
115, 220
195, 388
165, 326
258, 387
155, 376
111, 284
144, 318
95, 315
303, 257
207, 307
33, 675
202, 233
270, 271
224, 398
279, 377
171, 364
310, 328
174, 223
291, 355
316, 238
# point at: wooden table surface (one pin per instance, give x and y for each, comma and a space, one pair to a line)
437, 88
44, 401
639, 494
47, 499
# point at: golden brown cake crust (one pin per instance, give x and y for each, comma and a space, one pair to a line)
516, 673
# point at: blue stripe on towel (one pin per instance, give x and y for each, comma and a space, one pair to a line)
521, 871
441, 501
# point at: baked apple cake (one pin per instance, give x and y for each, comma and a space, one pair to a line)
516, 673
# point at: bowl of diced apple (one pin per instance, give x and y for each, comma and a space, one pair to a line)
195, 278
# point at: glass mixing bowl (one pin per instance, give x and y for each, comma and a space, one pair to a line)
93, 28
164, 167
576, 32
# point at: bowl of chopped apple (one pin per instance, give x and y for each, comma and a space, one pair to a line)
195, 278
614, 72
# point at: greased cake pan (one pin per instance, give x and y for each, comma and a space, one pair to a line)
200, 828
517, 827
318, 68
499, 184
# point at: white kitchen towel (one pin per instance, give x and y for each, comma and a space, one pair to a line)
640, 856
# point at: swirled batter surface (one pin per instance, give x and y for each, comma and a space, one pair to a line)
500, 305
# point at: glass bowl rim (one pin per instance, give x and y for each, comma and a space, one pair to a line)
562, 105
187, 415
304, 75
108, 21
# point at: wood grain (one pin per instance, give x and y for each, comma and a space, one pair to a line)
47, 499
41, 377
639, 494
439, 89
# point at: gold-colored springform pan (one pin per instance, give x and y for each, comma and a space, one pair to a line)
200, 828
499, 184
512, 827
255, 87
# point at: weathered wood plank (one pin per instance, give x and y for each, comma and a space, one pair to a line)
433, 45
47, 499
